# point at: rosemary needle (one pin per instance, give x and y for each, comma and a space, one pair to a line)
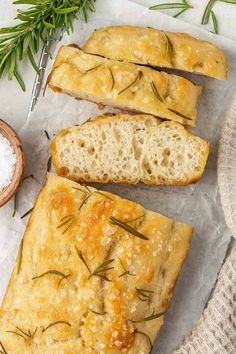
215, 23
148, 338
179, 114
27, 213
138, 77
3, 348
97, 313
207, 12
128, 228
54, 272
56, 323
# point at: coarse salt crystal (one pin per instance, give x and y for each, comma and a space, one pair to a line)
7, 162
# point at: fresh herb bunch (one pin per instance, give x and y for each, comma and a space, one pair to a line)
37, 24
183, 6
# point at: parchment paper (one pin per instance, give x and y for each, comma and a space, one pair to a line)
197, 204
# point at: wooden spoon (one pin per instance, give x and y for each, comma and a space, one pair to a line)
8, 192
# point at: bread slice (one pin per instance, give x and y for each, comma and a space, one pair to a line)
150, 46
124, 85
59, 302
130, 149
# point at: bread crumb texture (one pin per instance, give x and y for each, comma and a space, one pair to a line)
130, 149
94, 274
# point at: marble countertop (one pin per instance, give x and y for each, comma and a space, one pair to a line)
15, 103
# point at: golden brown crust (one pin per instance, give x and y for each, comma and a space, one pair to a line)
124, 85
149, 46
54, 313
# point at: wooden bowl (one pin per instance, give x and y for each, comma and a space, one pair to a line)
8, 192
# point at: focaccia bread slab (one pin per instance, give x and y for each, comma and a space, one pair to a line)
127, 148
150, 46
124, 85
94, 274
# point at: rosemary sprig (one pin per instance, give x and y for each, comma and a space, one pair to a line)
56, 323
126, 272
144, 295
20, 257
27, 213
184, 5
127, 228
88, 191
112, 78
47, 135
179, 114
149, 318
97, 313
53, 272
215, 23
155, 92
23, 333
37, 24
104, 267
148, 338
138, 77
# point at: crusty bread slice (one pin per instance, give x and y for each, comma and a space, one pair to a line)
130, 149
124, 85
150, 46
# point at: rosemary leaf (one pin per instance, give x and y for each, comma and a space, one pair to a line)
214, 20
53, 272
112, 78
3, 348
167, 6
180, 12
148, 338
149, 318
47, 135
138, 77
67, 228
49, 164
82, 259
135, 219
95, 67
229, 1
97, 313
65, 222
169, 47
144, 295
56, 323
127, 228
20, 257
207, 12
17, 334
179, 114
27, 213
156, 93
14, 206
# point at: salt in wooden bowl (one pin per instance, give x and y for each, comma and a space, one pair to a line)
9, 191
